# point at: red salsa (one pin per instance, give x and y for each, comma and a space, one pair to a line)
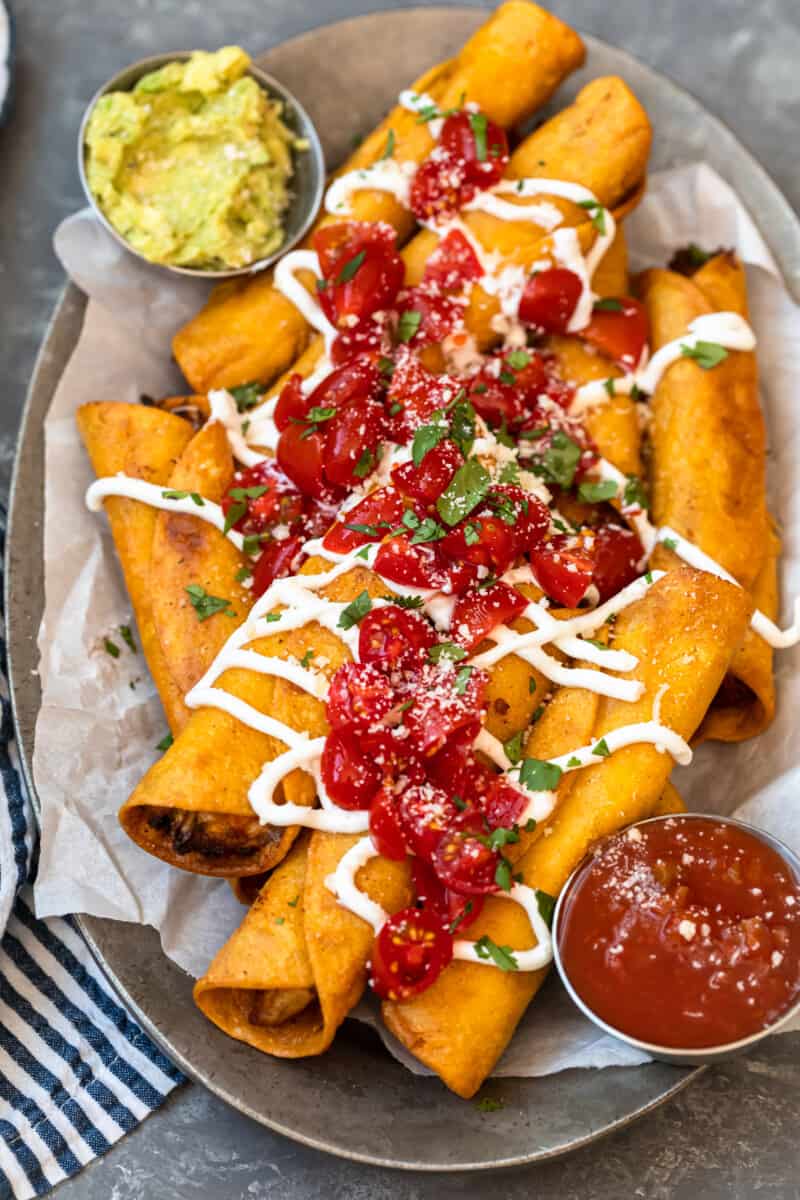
684, 932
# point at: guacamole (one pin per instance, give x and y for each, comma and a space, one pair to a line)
192, 167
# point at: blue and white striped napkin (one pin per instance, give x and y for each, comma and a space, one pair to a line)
76, 1072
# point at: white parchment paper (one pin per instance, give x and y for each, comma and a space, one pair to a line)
100, 717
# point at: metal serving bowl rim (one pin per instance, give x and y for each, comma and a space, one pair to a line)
693, 1054
127, 77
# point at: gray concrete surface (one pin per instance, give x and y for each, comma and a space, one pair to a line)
734, 1132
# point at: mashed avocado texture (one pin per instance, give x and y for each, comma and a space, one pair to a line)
192, 166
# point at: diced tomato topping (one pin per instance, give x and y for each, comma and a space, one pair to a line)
496, 533
410, 952
361, 268
277, 560
621, 333
301, 454
479, 612
453, 263
563, 574
427, 481
440, 708
550, 298
438, 315
617, 554
425, 813
292, 404
359, 696
377, 513
462, 861
456, 912
423, 566
351, 445
450, 766
351, 778
279, 501
392, 638
439, 187
502, 803
386, 831
415, 394
502, 394
369, 337
477, 143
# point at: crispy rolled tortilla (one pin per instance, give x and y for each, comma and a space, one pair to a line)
186, 551
509, 68
708, 473
145, 443
462, 1024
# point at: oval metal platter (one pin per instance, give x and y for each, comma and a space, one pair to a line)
356, 1101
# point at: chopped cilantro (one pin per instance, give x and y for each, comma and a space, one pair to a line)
126, 634
538, 775
560, 460
462, 424
499, 837
249, 493
408, 324
502, 956
405, 601
608, 304
355, 611
487, 1104
350, 267
513, 747
365, 463
173, 495
705, 354
205, 605
593, 493
466, 489
598, 645
273, 617
597, 213
293, 903
468, 907
502, 875
280, 920
518, 359
509, 473
479, 124
235, 513
610, 386
670, 543
165, 742
318, 413
472, 534
537, 714
426, 530
247, 395
462, 679
446, 651
574, 761
532, 685
242, 574
546, 905
634, 495
251, 543
426, 438
601, 750
305, 661
111, 647
390, 143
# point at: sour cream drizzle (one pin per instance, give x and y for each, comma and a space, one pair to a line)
159, 497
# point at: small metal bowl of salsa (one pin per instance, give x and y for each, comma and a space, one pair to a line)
306, 181
680, 936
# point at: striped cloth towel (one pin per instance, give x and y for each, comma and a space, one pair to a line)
76, 1072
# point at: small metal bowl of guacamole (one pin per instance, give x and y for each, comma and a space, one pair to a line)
201, 163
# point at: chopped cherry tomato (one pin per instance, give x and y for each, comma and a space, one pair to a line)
439, 187
359, 696
427, 481
410, 952
352, 439
292, 403
486, 541
423, 566
440, 708
477, 613
502, 803
451, 766
358, 379
392, 638
456, 912
415, 394
471, 139
439, 315
462, 861
351, 779
280, 502
425, 812
509, 395
550, 298
301, 454
277, 559
617, 554
453, 263
621, 334
562, 574
361, 267
378, 512
369, 337
386, 831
